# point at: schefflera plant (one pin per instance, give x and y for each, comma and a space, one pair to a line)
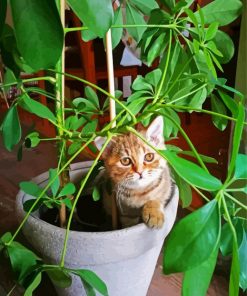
190, 49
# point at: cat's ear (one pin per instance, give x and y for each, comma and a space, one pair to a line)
154, 133
99, 142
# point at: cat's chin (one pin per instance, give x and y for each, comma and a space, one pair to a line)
139, 183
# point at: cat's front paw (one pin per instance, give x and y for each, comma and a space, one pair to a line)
152, 214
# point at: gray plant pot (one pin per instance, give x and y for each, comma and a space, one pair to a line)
124, 259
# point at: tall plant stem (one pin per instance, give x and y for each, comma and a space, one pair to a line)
165, 70
59, 89
110, 74
77, 198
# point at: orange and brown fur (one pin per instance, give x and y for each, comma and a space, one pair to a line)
139, 176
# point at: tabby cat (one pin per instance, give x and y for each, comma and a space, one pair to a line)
139, 177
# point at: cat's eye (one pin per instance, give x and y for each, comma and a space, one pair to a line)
149, 157
125, 161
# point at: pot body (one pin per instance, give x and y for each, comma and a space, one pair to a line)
124, 259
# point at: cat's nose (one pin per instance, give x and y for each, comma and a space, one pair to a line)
140, 174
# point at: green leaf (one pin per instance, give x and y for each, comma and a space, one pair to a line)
169, 3
133, 18
211, 31
218, 107
67, 201
75, 146
32, 140
241, 167
243, 262
56, 183
237, 134
145, 6
185, 193
156, 48
92, 96
29, 203
33, 285
192, 17
89, 290
117, 32
192, 173
211, 45
68, 189
88, 13
6, 237
96, 193
85, 105
37, 25
221, 12
11, 128
31, 188
235, 272
141, 83
230, 103
154, 77
205, 158
196, 281
37, 108
92, 279
60, 277
193, 239
9, 77
225, 45
22, 260
87, 35
3, 10
90, 127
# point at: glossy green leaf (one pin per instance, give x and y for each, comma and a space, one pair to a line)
92, 96
32, 140
92, 279
193, 239
56, 183
30, 188
9, 77
87, 35
154, 77
68, 189
197, 100
88, 289
90, 127
235, 272
6, 237
226, 239
140, 83
241, 167
68, 202
229, 102
225, 45
60, 277
192, 173
28, 204
237, 134
196, 281
75, 146
22, 260
37, 108
117, 32
133, 17
40, 21
156, 48
243, 262
11, 128
218, 107
88, 13
169, 3
185, 193
205, 158
96, 193
211, 31
33, 285
3, 10
219, 11
145, 6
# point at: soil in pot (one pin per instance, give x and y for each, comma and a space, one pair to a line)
90, 216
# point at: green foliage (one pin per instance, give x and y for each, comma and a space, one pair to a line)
98, 23
193, 239
41, 21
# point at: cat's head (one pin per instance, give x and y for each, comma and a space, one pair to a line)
130, 161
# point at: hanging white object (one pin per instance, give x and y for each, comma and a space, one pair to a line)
129, 59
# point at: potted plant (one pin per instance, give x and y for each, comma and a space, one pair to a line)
189, 47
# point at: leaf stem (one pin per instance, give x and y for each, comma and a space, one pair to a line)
165, 69
236, 201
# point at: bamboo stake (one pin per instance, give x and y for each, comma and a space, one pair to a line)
110, 74
60, 112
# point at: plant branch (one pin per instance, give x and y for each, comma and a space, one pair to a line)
236, 201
